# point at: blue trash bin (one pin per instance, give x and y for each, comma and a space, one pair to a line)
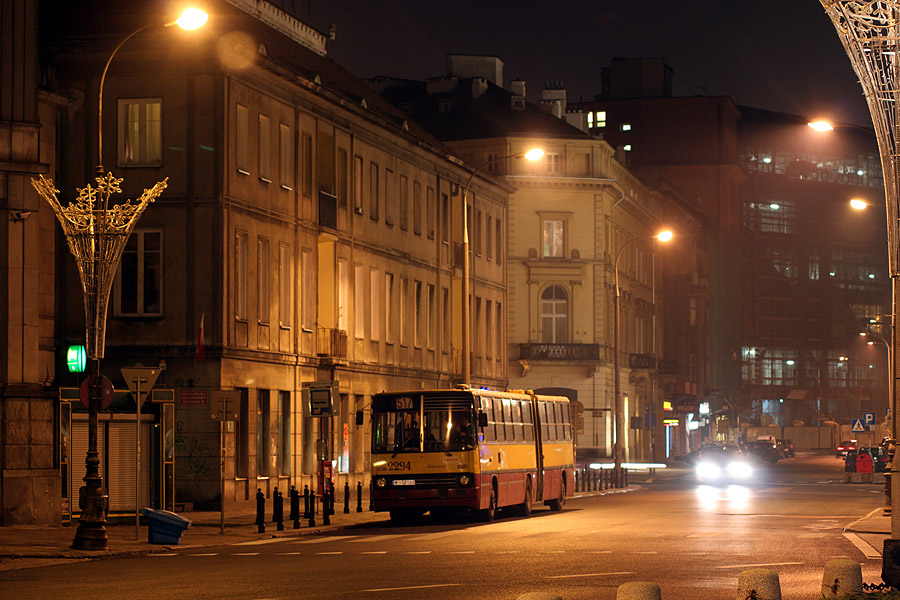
164, 527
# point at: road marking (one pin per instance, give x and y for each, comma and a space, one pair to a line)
375, 552
695, 553
705, 534
165, 554
862, 546
329, 552
509, 552
376, 538
462, 552
600, 552
204, 554
245, 554
778, 564
646, 552
259, 542
287, 554
590, 575
419, 552
412, 587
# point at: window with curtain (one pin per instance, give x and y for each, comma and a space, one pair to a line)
139, 285
140, 132
554, 315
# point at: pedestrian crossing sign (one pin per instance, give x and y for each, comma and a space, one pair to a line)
857, 426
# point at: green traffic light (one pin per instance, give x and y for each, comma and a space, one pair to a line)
76, 359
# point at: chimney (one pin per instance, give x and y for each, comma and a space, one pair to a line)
465, 66
553, 96
517, 87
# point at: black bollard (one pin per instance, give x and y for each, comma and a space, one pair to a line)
260, 511
278, 502
274, 502
371, 507
295, 507
346, 497
359, 496
326, 506
331, 496
305, 501
311, 514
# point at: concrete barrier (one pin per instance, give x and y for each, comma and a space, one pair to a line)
842, 578
638, 590
761, 584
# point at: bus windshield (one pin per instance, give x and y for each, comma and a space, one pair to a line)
402, 424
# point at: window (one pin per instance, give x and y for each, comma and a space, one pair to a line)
554, 315
306, 148
374, 192
430, 334
284, 435
404, 202
499, 324
374, 304
477, 239
445, 218
625, 127
139, 286
445, 319
242, 436
489, 329
479, 327
242, 140
263, 148
342, 178
389, 308
554, 238
489, 242
357, 185
429, 212
343, 294
309, 291
404, 311
140, 132
498, 239
240, 275
359, 300
493, 165
390, 199
266, 436
285, 286
286, 156
262, 279
417, 316
417, 208
553, 164
600, 119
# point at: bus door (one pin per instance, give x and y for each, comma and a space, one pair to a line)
538, 447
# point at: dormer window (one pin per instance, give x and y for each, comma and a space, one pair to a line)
518, 103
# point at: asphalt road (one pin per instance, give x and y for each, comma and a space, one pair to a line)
692, 540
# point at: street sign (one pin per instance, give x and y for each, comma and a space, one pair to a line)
140, 381
223, 404
868, 418
84, 392
320, 397
857, 426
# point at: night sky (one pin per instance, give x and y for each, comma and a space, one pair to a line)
780, 55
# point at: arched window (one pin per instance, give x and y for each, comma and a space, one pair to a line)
554, 315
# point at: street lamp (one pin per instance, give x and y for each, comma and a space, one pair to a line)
96, 233
532, 155
618, 420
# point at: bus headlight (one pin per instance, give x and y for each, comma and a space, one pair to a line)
464, 480
381, 482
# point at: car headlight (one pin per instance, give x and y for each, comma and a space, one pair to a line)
739, 469
464, 480
381, 482
708, 470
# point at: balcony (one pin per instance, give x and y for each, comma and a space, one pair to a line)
331, 343
560, 352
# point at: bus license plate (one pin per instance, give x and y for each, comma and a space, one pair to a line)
404, 482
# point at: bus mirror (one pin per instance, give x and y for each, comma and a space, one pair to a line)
359, 417
482, 420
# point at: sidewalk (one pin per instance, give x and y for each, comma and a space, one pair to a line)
23, 547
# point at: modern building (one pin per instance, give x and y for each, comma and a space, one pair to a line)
571, 216
305, 239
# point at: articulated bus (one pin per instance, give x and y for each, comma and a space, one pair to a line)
469, 450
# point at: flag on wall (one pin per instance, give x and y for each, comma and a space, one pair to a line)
199, 356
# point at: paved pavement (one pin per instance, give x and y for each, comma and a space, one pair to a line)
35, 546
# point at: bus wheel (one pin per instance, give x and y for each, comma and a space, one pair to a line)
525, 508
490, 513
558, 503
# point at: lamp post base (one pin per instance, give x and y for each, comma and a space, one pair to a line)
91, 536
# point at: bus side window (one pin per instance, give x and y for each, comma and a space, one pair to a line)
557, 426
527, 424
545, 424
498, 419
517, 417
567, 422
560, 420
487, 407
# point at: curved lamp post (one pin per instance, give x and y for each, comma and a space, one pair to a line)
618, 420
96, 232
532, 155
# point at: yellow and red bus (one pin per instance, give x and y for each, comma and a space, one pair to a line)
469, 449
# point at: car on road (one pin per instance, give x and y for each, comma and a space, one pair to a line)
846, 446
787, 448
723, 464
762, 451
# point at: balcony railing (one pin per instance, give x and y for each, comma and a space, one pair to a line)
561, 352
332, 342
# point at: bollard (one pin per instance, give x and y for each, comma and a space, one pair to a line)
842, 578
278, 502
274, 505
260, 511
295, 507
761, 584
359, 496
311, 513
638, 590
538, 596
326, 507
305, 501
346, 497
331, 496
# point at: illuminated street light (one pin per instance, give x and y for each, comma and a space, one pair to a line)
858, 204
618, 419
821, 125
532, 155
96, 233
